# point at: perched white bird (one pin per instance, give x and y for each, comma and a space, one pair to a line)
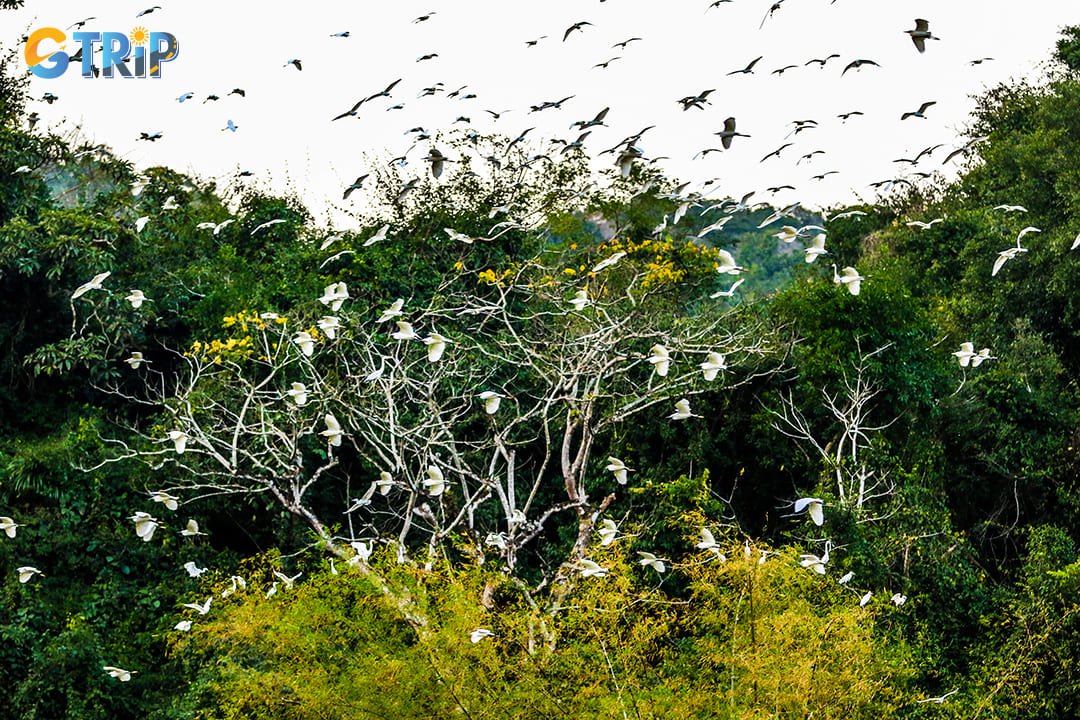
237, 583
119, 673
94, 284
136, 360
136, 298
898, 599
865, 598
334, 295
305, 342
496, 540
846, 578
436, 346
617, 466
26, 572
815, 563
580, 299
272, 591
183, 625
491, 401
434, 483
393, 311
850, 278
608, 262
591, 569
405, 331
682, 410
7, 525
193, 570
191, 529
202, 609
661, 359
650, 560
333, 432
363, 549
145, 525
377, 237
813, 507
141, 223
713, 364
815, 248
299, 393
329, 326
479, 634
169, 501
727, 265
608, 530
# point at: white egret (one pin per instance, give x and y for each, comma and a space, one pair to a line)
119, 673
815, 563
333, 432
965, 353
608, 262
94, 284
434, 483
940, 699
237, 583
306, 343
436, 346
787, 234
650, 560
26, 572
334, 295
1006, 255
286, 579
193, 570
496, 540
713, 364
846, 578
491, 401
1075, 243
329, 326
460, 237
299, 393
591, 569
617, 466
730, 291
392, 312
218, 227
136, 298
183, 625
978, 358
479, 634
169, 501
363, 549
850, 279
8, 526
404, 332
384, 483
1011, 208
191, 529
202, 609
1025, 231
272, 591
812, 506
661, 359
898, 599
682, 410
136, 360
816, 248
608, 530
141, 223
378, 236
708, 541
580, 299
145, 525
865, 598
727, 265
179, 439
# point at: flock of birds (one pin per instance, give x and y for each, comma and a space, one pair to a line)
625, 154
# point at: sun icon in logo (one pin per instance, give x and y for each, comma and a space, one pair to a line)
139, 36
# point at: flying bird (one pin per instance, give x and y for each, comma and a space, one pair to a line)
857, 64
94, 284
921, 34
748, 69
576, 26
728, 133
919, 113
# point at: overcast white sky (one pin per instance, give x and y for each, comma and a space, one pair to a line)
286, 136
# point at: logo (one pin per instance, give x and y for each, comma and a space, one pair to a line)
148, 51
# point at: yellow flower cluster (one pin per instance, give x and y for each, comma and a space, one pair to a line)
219, 350
243, 319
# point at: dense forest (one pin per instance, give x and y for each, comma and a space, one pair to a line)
539, 444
